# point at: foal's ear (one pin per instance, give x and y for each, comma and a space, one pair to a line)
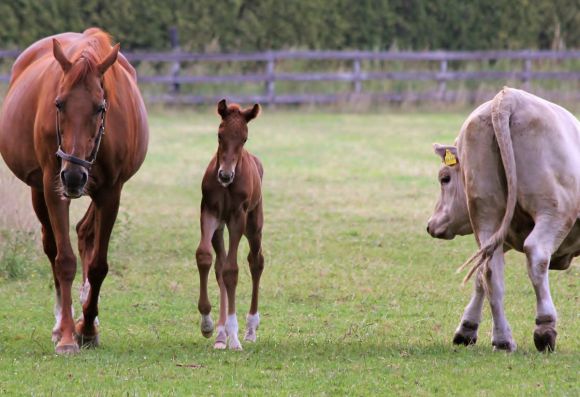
65, 64
222, 108
250, 114
109, 59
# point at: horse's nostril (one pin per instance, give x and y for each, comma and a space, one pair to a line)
62, 177
84, 177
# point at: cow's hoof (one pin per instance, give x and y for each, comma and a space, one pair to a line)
67, 349
545, 338
465, 340
466, 334
206, 326
508, 346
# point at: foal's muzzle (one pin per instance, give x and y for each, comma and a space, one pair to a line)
225, 177
74, 181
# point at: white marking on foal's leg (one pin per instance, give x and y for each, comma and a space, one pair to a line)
84, 296
221, 338
252, 323
232, 332
56, 335
206, 325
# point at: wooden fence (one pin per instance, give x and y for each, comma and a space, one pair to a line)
266, 63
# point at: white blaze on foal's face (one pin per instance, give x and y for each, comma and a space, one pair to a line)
451, 217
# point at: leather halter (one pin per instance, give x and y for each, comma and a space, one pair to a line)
69, 157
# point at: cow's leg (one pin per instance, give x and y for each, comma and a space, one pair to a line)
256, 262
106, 207
494, 278
546, 237
65, 263
49, 247
466, 333
236, 228
203, 256
218, 245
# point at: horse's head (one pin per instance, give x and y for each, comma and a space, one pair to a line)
81, 108
451, 216
232, 134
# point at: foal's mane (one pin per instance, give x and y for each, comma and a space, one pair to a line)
85, 54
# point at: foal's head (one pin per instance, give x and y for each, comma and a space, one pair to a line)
81, 107
232, 134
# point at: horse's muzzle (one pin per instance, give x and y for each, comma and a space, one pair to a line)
225, 177
74, 181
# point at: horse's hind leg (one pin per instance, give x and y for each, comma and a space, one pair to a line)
106, 206
49, 247
256, 262
539, 246
203, 256
218, 245
86, 241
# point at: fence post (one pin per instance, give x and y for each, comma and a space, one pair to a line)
357, 82
526, 75
442, 80
270, 81
176, 66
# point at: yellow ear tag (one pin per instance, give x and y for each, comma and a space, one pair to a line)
450, 158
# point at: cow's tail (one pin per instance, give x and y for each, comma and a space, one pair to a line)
500, 117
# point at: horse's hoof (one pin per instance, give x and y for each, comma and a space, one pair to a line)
206, 326
67, 349
508, 346
56, 335
87, 341
465, 340
545, 339
250, 335
234, 344
218, 345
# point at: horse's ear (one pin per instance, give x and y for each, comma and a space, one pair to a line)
250, 114
109, 59
65, 64
222, 108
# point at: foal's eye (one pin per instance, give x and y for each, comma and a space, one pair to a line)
100, 108
58, 103
245, 139
445, 179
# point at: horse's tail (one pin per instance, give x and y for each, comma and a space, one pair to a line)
500, 117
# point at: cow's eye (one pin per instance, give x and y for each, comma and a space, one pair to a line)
445, 179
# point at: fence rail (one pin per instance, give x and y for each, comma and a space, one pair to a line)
268, 76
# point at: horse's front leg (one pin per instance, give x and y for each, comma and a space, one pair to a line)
218, 245
65, 264
209, 224
236, 228
98, 227
256, 262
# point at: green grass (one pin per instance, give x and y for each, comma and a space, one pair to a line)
356, 298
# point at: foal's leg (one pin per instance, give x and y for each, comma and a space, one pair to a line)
86, 241
65, 263
539, 246
256, 262
218, 245
209, 224
49, 246
106, 207
236, 228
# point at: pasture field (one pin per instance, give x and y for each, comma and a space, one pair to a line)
356, 297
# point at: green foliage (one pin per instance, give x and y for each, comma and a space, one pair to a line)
17, 250
251, 25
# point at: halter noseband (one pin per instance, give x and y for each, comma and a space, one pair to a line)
69, 157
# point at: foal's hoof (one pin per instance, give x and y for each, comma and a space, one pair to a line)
87, 341
545, 338
67, 349
221, 339
508, 346
206, 325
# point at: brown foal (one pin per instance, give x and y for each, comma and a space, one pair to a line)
231, 196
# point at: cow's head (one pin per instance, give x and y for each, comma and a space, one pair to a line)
451, 217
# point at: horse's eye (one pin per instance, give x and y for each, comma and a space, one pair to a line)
245, 139
101, 108
445, 179
58, 103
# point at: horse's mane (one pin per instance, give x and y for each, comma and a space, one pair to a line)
85, 54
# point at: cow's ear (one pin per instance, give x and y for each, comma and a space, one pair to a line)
251, 113
448, 153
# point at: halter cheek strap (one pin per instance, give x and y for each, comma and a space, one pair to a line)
69, 157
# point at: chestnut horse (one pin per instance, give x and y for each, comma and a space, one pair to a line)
232, 196
63, 91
